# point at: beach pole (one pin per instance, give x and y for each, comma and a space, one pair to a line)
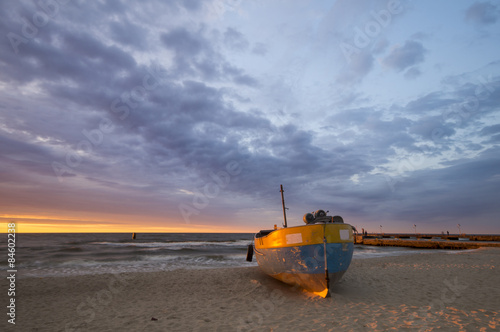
283, 202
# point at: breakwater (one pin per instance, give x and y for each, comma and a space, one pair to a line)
430, 241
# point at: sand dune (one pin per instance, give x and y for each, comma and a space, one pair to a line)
424, 292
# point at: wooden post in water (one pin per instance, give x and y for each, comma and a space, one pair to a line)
283, 202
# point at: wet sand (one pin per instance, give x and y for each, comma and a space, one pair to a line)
423, 292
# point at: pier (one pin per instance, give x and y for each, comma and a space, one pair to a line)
430, 241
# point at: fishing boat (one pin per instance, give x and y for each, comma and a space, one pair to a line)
313, 256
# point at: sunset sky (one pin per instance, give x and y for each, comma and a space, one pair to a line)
186, 116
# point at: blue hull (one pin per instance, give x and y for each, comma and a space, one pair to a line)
304, 265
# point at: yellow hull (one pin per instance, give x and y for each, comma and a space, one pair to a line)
305, 235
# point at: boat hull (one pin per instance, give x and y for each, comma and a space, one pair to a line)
296, 255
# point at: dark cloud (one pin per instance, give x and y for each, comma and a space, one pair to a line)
196, 56
235, 40
184, 42
18, 158
130, 34
360, 65
380, 46
432, 128
402, 57
469, 107
491, 134
91, 51
475, 182
420, 36
239, 76
484, 13
435, 101
412, 73
490, 130
373, 138
495, 139
192, 5
260, 49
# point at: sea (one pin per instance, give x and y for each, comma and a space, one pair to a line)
59, 254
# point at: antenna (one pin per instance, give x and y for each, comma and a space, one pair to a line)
283, 202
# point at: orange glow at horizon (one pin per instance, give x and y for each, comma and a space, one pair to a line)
43, 224
23, 227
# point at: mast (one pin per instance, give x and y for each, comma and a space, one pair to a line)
283, 202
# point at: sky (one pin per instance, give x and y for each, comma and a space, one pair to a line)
187, 116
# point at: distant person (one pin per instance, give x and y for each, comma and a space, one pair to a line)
447, 233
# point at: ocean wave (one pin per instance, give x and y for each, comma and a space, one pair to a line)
152, 263
176, 245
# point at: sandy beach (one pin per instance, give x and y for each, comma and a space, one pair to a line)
423, 292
